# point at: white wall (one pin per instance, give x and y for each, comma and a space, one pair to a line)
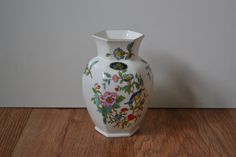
45, 45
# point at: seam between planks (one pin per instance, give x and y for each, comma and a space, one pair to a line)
23, 128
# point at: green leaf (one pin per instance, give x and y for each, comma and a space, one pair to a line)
104, 85
115, 106
107, 74
92, 64
148, 67
130, 46
104, 112
131, 107
104, 80
120, 99
137, 85
129, 90
120, 74
108, 54
94, 90
142, 60
97, 100
104, 120
125, 88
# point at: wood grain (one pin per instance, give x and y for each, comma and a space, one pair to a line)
165, 133
44, 133
66, 133
12, 123
187, 132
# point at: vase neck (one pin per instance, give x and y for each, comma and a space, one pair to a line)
118, 50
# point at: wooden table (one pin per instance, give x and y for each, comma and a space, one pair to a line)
70, 132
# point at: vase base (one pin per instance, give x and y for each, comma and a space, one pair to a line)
116, 134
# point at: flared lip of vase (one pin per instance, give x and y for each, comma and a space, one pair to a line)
118, 35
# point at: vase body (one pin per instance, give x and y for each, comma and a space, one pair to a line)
117, 83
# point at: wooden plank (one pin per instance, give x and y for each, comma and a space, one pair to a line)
44, 133
79, 135
12, 122
111, 147
186, 132
67, 133
165, 132
83, 140
232, 113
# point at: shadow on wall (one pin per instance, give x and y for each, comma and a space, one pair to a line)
176, 85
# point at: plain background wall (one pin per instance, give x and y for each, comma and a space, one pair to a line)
190, 45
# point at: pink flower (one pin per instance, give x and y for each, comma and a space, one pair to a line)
115, 78
108, 98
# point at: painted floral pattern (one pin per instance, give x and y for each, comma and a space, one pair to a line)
120, 54
147, 68
108, 99
112, 105
88, 68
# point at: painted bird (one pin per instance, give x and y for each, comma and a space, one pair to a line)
134, 97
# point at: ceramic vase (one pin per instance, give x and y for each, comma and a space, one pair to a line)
117, 83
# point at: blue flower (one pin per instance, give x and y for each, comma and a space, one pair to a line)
108, 109
117, 117
119, 53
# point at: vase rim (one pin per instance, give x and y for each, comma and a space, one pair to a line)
117, 35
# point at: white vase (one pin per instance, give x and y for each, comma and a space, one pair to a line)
117, 83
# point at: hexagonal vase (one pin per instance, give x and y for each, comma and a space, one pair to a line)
117, 83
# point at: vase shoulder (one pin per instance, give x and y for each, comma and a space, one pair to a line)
98, 65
